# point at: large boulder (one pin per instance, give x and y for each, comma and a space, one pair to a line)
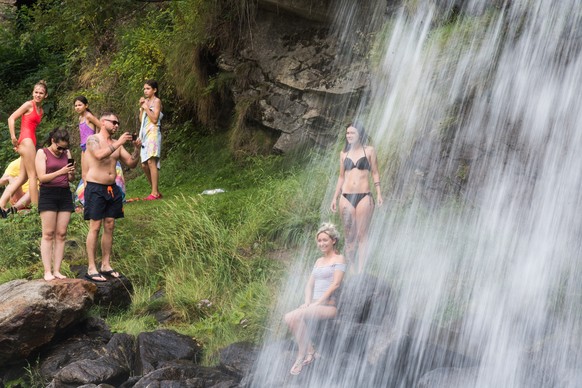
183, 373
87, 343
238, 358
164, 345
33, 312
113, 366
114, 293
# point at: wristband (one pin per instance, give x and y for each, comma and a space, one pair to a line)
111, 148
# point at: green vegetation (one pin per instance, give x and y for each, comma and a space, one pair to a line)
210, 261
209, 264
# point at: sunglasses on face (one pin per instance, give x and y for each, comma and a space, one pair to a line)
114, 122
62, 148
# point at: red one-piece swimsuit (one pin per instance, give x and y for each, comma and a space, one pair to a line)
28, 124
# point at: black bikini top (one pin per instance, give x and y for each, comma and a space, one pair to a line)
361, 164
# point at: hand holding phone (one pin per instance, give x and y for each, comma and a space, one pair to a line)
71, 161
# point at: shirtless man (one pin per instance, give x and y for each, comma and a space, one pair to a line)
103, 199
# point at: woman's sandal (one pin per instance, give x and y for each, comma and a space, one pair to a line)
310, 357
297, 367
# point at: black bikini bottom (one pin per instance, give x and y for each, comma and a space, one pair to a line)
355, 198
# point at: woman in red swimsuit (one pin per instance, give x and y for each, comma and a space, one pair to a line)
357, 163
30, 113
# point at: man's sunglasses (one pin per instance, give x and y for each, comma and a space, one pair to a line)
114, 122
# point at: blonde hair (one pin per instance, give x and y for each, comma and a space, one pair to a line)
42, 84
329, 229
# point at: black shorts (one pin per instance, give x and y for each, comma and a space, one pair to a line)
103, 201
55, 199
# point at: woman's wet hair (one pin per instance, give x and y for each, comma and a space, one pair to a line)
83, 100
329, 229
363, 136
57, 135
154, 84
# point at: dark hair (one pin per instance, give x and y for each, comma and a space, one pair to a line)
361, 133
154, 84
83, 100
107, 113
58, 134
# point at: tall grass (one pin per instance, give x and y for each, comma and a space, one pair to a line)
209, 264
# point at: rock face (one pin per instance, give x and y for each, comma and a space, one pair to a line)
287, 83
33, 312
164, 345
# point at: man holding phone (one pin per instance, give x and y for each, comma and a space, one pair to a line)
103, 198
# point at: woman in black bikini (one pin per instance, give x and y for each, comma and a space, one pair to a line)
357, 162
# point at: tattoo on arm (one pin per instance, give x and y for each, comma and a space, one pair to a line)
92, 143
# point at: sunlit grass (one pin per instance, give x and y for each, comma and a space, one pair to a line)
203, 263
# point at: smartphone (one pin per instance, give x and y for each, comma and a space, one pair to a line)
71, 161
134, 136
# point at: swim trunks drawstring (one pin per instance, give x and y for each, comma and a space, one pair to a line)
110, 191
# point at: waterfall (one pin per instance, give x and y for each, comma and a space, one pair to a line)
474, 109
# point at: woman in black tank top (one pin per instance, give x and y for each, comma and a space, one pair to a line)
358, 162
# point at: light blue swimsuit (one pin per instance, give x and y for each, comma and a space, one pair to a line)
324, 277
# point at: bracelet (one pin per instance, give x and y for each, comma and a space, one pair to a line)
377, 184
111, 148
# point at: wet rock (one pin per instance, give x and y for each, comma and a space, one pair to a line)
238, 358
113, 365
306, 9
101, 370
164, 345
65, 352
88, 340
287, 76
185, 374
32, 313
364, 299
449, 377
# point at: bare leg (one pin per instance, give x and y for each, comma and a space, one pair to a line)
154, 174
106, 244
364, 212
27, 151
92, 236
62, 222
348, 215
48, 221
23, 201
146, 171
12, 187
298, 320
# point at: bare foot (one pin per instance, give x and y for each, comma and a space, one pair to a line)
48, 277
59, 275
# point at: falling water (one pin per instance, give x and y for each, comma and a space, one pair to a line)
474, 109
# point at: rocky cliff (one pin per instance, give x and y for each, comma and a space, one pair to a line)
288, 82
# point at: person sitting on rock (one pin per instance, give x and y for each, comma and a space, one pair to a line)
320, 296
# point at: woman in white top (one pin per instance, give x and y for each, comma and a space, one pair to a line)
320, 298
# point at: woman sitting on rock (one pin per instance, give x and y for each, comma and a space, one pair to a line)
320, 296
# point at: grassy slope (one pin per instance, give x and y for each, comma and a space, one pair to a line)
207, 258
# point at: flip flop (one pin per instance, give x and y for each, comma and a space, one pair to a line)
113, 273
95, 277
297, 367
3, 213
310, 357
